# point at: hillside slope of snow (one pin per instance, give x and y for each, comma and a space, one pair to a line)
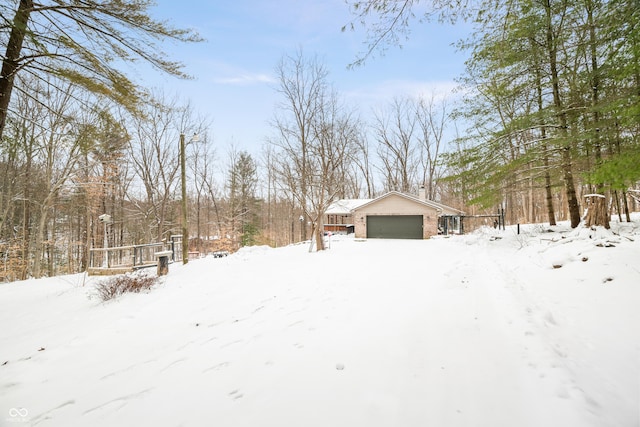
487, 329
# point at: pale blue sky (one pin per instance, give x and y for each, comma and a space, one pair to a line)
233, 69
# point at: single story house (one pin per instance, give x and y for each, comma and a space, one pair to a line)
339, 218
393, 215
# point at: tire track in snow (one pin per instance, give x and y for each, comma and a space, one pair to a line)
507, 318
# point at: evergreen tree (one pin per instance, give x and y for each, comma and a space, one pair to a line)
553, 92
242, 184
82, 41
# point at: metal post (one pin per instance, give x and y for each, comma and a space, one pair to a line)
105, 245
301, 228
183, 175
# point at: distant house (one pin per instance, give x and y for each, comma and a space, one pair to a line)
393, 215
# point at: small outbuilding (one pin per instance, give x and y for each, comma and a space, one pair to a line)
394, 215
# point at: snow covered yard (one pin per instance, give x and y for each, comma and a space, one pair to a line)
489, 329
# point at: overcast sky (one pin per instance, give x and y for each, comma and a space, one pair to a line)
233, 69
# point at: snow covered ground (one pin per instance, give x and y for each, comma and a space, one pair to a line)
475, 330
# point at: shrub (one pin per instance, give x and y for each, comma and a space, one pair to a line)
130, 282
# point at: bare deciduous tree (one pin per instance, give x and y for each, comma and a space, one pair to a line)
202, 164
362, 168
154, 151
54, 135
398, 145
432, 117
315, 139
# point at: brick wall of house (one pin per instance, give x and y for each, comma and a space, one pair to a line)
430, 226
360, 225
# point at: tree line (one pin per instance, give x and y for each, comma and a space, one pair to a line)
550, 113
551, 104
69, 156
556, 88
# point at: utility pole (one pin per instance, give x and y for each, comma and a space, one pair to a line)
183, 177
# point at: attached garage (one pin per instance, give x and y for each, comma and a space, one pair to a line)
393, 215
396, 215
395, 226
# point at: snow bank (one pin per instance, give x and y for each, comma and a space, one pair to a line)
490, 329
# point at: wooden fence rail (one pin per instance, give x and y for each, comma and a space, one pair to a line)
122, 259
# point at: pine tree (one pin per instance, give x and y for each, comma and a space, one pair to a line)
82, 41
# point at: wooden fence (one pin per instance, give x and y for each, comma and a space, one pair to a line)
122, 259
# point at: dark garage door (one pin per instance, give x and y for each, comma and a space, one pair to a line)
394, 227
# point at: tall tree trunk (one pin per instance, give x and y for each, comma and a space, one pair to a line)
87, 231
604, 216
551, 216
626, 206
27, 196
595, 87
39, 243
617, 202
11, 63
318, 234
26, 214
567, 172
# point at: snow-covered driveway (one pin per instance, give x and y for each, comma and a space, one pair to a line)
466, 331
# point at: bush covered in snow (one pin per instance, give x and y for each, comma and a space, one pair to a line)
130, 282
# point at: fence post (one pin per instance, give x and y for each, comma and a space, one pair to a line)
163, 262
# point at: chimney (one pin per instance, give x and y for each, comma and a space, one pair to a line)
422, 193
